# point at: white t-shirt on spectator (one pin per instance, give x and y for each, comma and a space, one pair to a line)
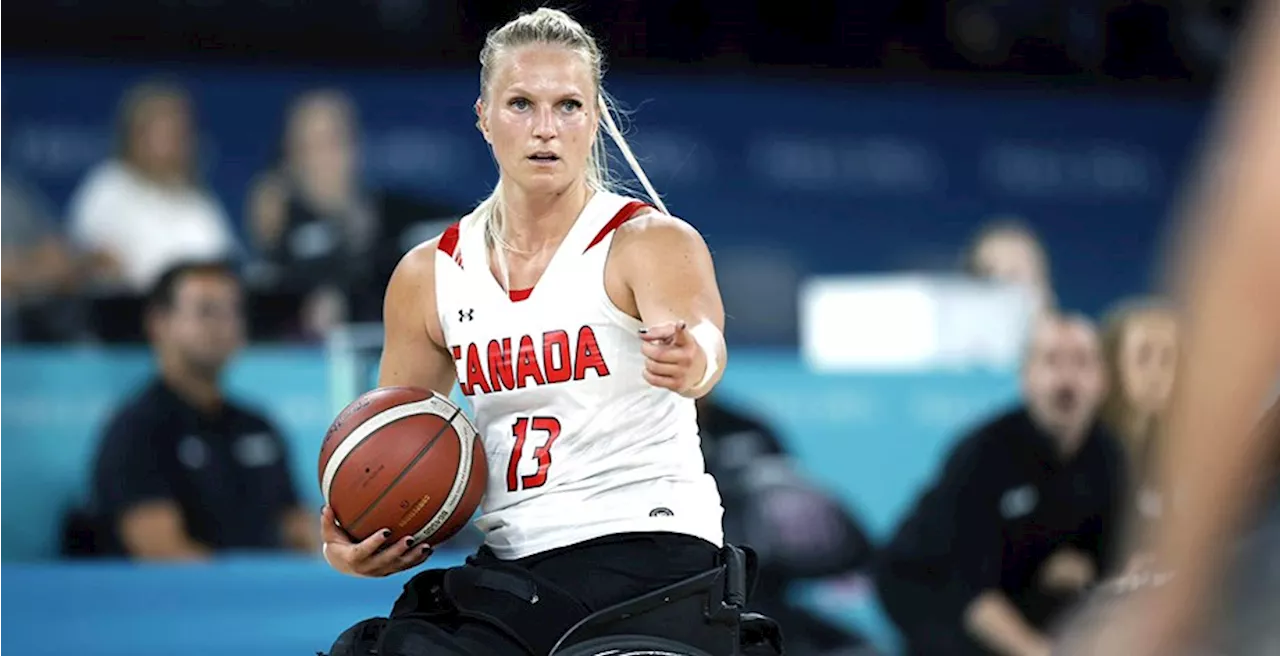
145, 226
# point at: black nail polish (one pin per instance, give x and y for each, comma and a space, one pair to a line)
426, 549
386, 533
408, 542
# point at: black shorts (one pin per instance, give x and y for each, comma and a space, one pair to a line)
571, 583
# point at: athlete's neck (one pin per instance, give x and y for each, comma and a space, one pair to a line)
536, 221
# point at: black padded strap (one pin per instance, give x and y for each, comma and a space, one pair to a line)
528, 608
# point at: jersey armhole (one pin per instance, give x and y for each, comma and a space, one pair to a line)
449, 246
605, 239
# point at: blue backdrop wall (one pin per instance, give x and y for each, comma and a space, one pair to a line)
785, 178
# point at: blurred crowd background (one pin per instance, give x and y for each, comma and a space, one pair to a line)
870, 172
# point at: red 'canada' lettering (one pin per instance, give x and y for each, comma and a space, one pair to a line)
562, 359
527, 366
500, 365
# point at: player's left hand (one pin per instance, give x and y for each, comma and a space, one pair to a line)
673, 358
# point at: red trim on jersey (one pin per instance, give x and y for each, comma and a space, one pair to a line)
449, 243
518, 295
629, 210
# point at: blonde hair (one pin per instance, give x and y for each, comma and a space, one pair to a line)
1117, 410
555, 27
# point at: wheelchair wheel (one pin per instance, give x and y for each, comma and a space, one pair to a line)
634, 645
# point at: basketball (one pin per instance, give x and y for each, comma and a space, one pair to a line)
404, 459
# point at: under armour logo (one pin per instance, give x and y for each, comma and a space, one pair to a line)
466, 315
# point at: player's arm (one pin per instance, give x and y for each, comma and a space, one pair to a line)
667, 278
414, 352
1231, 353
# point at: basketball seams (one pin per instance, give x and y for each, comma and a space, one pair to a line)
421, 472
365, 430
422, 453
461, 479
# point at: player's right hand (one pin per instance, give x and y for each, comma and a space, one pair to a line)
373, 557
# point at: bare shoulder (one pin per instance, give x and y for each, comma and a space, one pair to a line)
411, 293
652, 233
418, 266
414, 350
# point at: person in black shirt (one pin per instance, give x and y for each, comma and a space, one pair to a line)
181, 471
1022, 518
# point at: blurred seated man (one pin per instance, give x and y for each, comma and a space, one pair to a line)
182, 471
1023, 516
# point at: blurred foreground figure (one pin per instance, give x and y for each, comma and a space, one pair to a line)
1217, 462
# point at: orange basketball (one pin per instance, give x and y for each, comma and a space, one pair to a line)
404, 459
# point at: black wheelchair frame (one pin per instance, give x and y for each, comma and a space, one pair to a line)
657, 623
659, 619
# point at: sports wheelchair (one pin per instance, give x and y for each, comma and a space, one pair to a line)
657, 623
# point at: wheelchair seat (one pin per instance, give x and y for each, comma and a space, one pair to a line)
659, 620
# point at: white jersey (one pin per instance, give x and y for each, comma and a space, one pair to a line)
579, 445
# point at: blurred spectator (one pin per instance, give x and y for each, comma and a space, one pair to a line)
143, 210
1022, 518
1140, 345
39, 269
799, 532
1008, 250
310, 218
182, 471
320, 232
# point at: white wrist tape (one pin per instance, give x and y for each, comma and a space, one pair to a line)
709, 338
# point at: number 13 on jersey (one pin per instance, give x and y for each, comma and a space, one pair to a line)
534, 436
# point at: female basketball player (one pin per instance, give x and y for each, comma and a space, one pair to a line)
582, 325
1231, 358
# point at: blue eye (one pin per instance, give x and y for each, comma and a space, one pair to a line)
518, 104
571, 105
